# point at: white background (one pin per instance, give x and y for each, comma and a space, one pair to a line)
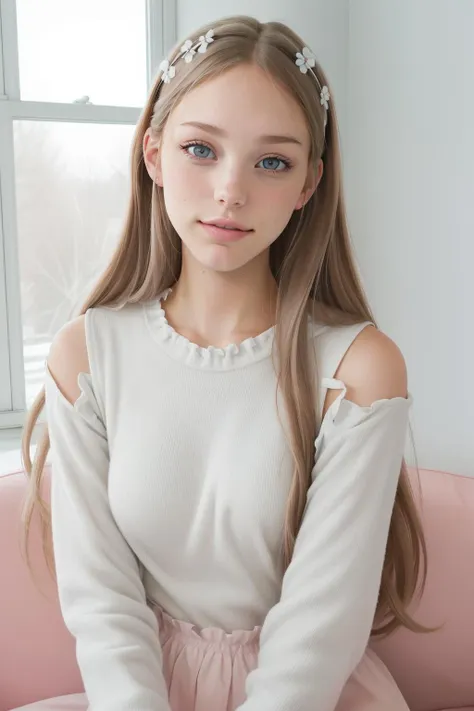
411, 185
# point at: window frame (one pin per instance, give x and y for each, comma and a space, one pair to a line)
161, 21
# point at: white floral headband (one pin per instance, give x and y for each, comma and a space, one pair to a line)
305, 60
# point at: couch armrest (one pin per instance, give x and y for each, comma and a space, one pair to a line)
435, 670
37, 653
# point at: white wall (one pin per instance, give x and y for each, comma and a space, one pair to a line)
410, 171
402, 74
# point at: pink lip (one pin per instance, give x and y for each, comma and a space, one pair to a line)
226, 222
221, 229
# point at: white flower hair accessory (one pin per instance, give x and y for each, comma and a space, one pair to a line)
205, 41
325, 96
168, 71
188, 51
306, 60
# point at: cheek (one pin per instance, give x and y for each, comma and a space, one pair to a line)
281, 197
180, 178
281, 200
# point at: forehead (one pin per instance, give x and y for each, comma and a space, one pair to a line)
245, 99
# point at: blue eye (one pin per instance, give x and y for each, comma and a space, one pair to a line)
199, 150
274, 164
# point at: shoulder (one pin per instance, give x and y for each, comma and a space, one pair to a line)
68, 357
373, 368
90, 342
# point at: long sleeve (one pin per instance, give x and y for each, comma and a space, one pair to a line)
101, 593
315, 636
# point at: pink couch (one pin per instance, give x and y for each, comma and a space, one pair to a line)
434, 671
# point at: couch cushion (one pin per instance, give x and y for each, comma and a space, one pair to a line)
435, 671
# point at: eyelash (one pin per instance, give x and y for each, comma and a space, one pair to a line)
184, 146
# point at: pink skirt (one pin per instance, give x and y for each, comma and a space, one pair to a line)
206, 669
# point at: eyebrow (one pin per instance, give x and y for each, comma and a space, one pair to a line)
220, 132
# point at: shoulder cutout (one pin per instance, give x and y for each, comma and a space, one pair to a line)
372, 369
68, 357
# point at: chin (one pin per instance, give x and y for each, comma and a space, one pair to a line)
223, 266
222, 258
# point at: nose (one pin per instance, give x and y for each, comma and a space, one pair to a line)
230, 190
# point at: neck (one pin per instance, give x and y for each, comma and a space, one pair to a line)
216, 308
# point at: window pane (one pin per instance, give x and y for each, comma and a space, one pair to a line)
94, 48
72, 187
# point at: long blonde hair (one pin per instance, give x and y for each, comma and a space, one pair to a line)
311, 262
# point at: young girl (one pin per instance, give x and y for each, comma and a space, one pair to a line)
231, 515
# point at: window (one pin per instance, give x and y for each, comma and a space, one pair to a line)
73, 80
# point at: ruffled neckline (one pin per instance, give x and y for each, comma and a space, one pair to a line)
234, 355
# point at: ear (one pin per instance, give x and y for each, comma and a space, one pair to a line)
312, 182
152, 157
